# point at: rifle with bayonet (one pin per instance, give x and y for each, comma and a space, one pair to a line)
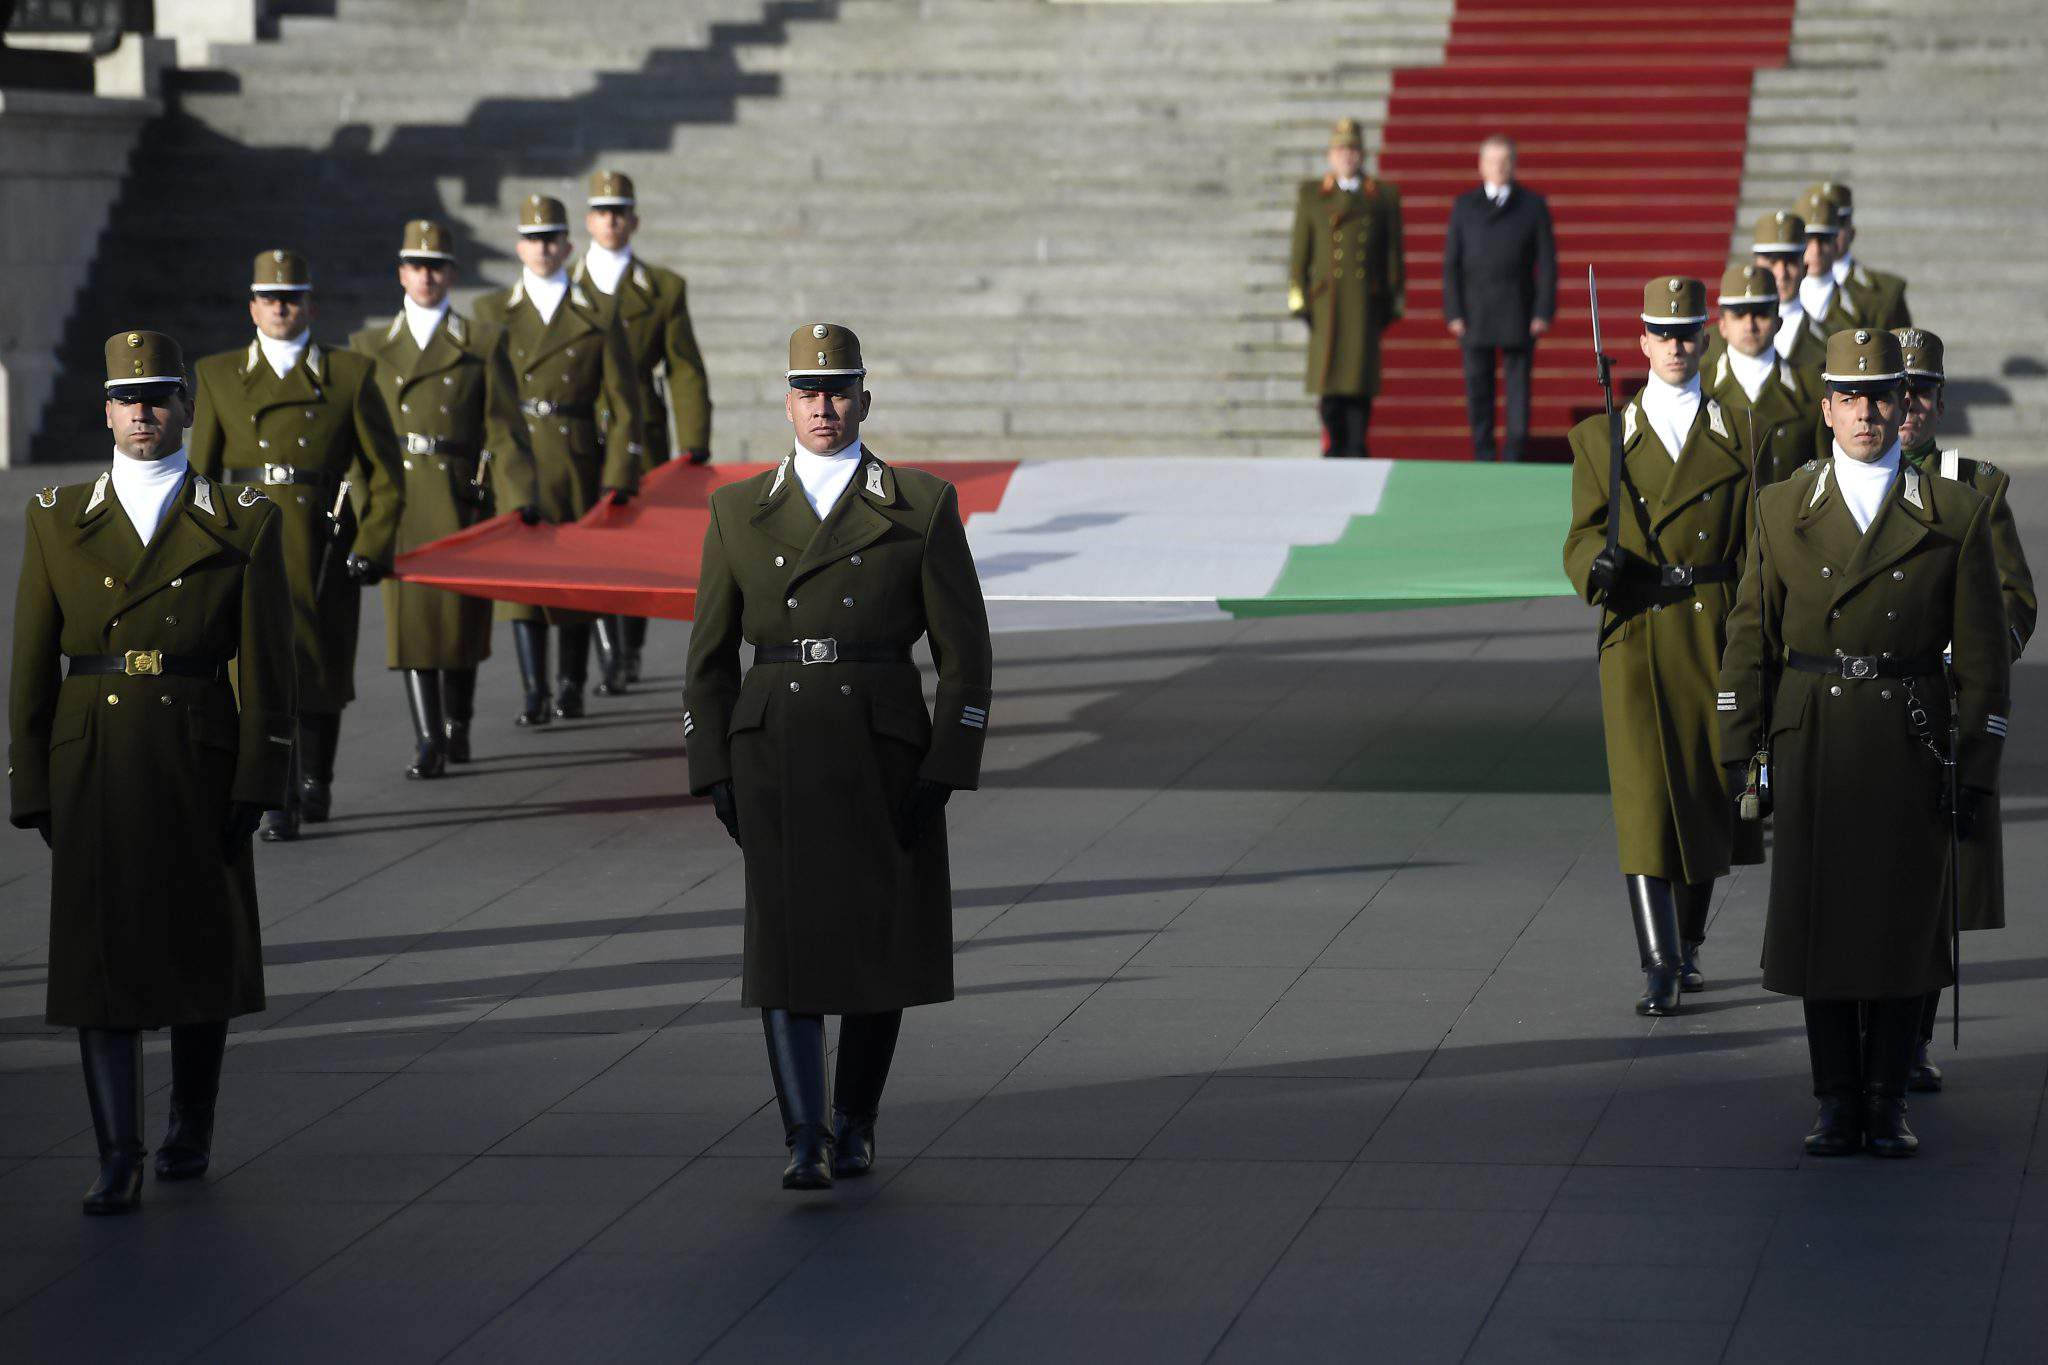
334, 533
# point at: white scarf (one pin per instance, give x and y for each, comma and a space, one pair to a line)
1671, 409
546, 294
145, 488
283, 355
424, 322
607, 267
824, 477
1864, 485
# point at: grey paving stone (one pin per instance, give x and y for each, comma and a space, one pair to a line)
1509, 1340
1626, 1292
1037, 1119
993, 1180
1287, 1118
1837, 1265
1429, 1185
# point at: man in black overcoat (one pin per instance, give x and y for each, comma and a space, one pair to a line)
1500, 290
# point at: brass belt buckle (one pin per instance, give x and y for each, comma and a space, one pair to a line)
277, 473
143, 663
416, 444
542, 407
817, 651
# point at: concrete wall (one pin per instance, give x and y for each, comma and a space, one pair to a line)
62, 159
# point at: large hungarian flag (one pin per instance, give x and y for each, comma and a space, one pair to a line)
1099, 540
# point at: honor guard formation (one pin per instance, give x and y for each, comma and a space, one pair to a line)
1808, 610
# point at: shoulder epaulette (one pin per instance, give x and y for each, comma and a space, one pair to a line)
250, 497
47, 496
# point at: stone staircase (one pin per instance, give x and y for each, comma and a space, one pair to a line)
1935, 123
1059, 228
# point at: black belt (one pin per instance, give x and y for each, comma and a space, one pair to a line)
274, 474
1685, 575
1864, 665
830, 651
543, 407
148, 663
414, 443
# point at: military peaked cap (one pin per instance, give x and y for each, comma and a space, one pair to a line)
540, 215
1742, 284
1836, 193
1346, 134
137, 359
1780, 234
1920, 349
1823, 216
824, 355
1676, 301
281, 272
611, 190
1864, 356
426, 240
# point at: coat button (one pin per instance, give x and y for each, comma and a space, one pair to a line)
1703, 535
262, 444
309, 414
170, 620
113, 700
177, 582
1835, 691
1706, 497
1886, 694
563, 429
529, 379
302, 499
1898, 575
405, 407
846, 689
408, 464
1835, 615
444, 407
447, 379
854, 560
108, 581
778, 561
303, 441
1891, 616
1827, 572
846, 601
1699, 606
791, 602
796, 687
163, 700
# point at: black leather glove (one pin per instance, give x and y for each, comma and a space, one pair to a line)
242, 819
727, 808
1969, 806
921, 807
41, 824
619, 496
697, 455
529, 514
365, 570
1612, 567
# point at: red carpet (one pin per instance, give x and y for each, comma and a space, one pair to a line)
1632, 119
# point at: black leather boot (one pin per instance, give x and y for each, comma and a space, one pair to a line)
1834, 1044
1923, 1077
796, 1059
196, 1051
636, 641
1693, 899
609, 632
429, 733
867, 1044
1656, 921
113, 1087
573, 669
282, 825
319, 741
1890, 1029
458, 696
530, 643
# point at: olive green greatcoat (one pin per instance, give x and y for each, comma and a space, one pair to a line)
1804, 344
839, 917
460, 389
1782, 421
1345, 274
1859, 863
577, 358
1981, 868
150, 925
325, 416
1660, 648
653, 306
1876, 297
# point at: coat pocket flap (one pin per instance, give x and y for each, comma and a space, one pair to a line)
215, 731
69, 722
1790, 712
902, 720
750, 712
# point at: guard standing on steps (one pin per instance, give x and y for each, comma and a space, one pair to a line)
1664, 594
150, 725
1345, 278
1780, 249
448, 384
652, 305
821, 761
571, 358
1981, 861
298, 419
1780, 402
1821, 297
1861, 573
1877, 295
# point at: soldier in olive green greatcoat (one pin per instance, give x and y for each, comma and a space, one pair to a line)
1877, 297
1780, 401
150, 725
1779, 247
652, 304
1345, 278
1863, 570
448, 384
1664, 596
571, 359
1981, 865
299, 419
821, 760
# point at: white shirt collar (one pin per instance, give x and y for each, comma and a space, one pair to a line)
1351, 186
1816, 292
424, 322
144, 489
283, 355
607, 267
1671, 409
1789, 313
1752, 372
1864, 485
546, 294
824, 477
1498, 193
1842, 268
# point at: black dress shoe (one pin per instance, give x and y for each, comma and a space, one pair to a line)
1838, 1130
1660, 993
316, 801
188, 1147
569, 702
1690, 978
458, 741
1884, 1125
1923, 1077
810, 1159
537, 711
853, 1146
278, 826
629, 669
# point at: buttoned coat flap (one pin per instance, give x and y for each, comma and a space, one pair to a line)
900, 719
750, 712
1790, 712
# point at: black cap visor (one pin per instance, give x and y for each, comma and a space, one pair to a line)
828, 383
155, 395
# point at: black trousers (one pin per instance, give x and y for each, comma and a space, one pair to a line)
1514, 365
1345, 418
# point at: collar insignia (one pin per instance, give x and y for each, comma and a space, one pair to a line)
1820, 485
1714, 422
518, 294
1721, 371
202, 495
391, 332
1628, 425
781, 475
1912, 488
457, 329
255, 354
581, 299
640, 278
48, 496
313, 362
99, 491
250, 497
874, 479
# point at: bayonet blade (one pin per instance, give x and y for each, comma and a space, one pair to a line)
1593, 293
